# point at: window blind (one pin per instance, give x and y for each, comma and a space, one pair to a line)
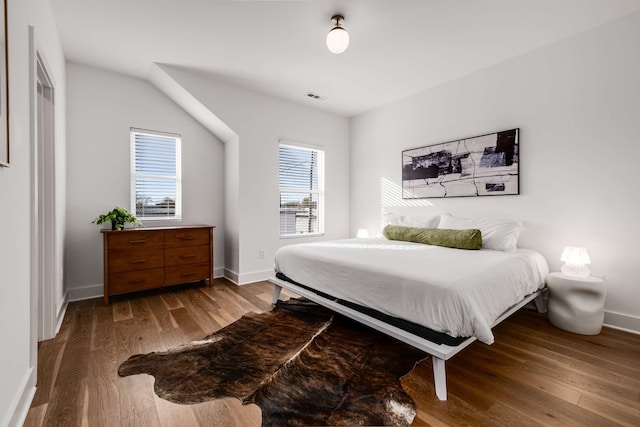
301, 172
156, 174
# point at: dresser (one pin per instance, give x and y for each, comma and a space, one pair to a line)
145, 258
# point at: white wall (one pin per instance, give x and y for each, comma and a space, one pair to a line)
260, 122
17, 369
103, 106
577, 104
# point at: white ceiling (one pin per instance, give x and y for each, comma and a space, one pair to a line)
398, 47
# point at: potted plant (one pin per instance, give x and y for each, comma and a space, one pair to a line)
118, 217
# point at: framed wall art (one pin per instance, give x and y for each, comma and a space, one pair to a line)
485, 165
4, 87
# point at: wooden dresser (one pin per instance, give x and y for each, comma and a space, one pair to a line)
145, 258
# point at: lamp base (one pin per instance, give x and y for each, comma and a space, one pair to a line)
575, 270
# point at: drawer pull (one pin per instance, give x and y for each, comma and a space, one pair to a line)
187, 256
137, 282
186, 236
187, 274
133, 242
137, 261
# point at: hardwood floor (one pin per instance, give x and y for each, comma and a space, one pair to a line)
533, 375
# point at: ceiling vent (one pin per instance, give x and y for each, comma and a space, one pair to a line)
315, 96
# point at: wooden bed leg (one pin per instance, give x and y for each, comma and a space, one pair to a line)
541, 304
276, 294
439, 377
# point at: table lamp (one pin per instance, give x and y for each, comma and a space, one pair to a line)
362, 233
575, 260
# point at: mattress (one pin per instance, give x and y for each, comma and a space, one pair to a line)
454, 291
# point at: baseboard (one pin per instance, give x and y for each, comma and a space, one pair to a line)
256, 276
231, 276
88, 292
246, 278
61, 313
22, 402
623, 322
218, 272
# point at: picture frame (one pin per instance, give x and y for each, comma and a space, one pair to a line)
484, 165
4, 86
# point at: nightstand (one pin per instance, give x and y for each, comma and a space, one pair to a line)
576, 304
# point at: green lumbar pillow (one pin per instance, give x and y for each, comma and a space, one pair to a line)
460, 239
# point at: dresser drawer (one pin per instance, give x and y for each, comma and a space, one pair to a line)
187, 273
186, 237
125, 241
132, 281
187, 255
136, 260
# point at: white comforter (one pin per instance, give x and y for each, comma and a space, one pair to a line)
459, 292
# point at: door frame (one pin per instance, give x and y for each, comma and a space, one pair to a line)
43, 268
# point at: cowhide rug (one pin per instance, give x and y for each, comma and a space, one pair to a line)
300, 363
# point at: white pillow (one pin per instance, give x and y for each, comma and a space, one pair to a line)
497, 234
391, 218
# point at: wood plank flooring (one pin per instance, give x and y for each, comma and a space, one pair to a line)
533, 375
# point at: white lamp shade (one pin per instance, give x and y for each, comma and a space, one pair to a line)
362, 233
337, 40
575, 259
575, 255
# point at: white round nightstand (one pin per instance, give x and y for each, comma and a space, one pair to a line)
576, 304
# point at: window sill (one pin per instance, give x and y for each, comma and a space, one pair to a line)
300, 236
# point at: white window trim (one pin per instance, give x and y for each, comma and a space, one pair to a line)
320, 191
178, 177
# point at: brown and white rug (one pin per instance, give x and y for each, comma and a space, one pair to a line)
300, 363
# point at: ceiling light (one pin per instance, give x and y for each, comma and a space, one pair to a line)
338, 38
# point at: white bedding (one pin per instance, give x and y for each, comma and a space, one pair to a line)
459, 292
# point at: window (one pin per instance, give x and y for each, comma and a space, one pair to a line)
156, 181
301, 190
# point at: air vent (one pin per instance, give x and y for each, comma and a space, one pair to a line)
315, 96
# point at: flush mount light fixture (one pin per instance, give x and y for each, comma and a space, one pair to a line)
338, 38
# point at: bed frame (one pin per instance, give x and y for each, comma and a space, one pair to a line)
440, 352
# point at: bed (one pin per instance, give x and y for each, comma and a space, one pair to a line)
456, 294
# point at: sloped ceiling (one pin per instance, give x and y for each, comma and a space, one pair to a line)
398, 47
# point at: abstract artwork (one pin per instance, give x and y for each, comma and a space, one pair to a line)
485, 165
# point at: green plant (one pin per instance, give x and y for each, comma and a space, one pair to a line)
118, 217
